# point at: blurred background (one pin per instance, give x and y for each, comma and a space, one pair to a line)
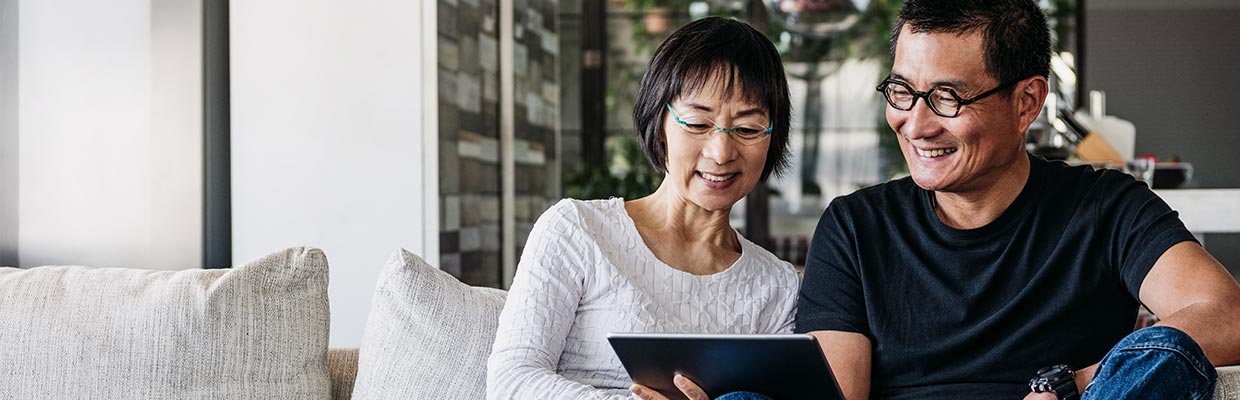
176, 134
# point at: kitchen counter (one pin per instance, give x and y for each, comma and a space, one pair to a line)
1205, 210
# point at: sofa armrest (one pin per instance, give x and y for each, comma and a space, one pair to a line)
1228, 386
342, 367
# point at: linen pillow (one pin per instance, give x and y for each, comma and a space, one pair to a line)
428, 335
257, 331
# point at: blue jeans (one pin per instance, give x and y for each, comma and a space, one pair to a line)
1154, 363
743, 396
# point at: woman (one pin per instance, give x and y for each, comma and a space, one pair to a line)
712, 114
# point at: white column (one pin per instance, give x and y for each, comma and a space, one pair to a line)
507, 135
330, 110
103, 180
176, 133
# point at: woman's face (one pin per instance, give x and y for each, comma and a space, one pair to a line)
714, 170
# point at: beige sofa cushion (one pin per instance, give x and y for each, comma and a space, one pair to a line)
428, 335
1228, 387
342, 365
257, 331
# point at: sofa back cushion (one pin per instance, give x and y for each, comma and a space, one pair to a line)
428, 335
257, 331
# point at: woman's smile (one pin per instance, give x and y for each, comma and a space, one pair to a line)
717, 180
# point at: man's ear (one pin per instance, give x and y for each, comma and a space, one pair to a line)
1030, 95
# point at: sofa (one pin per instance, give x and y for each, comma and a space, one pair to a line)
256, 331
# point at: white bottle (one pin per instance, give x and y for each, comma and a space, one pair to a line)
1120, 134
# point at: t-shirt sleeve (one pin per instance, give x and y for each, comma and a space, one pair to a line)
786, 288
832, 298
1145, 227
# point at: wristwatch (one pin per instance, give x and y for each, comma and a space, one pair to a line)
1059, 379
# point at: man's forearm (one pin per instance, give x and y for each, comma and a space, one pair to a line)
1214, 325
1208, 324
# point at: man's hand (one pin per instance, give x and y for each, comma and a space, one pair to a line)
686, 386
1041, 396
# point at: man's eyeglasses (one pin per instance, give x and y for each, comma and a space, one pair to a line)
943, 101
701, 128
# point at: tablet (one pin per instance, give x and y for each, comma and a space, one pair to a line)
784, 367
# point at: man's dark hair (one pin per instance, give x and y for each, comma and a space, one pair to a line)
1017, 39
717, 48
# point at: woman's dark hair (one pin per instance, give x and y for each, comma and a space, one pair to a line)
717, 48
1016, 38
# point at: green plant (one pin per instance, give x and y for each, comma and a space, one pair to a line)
626, 173
868, 39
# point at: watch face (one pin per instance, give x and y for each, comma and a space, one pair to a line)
1040, 385
1057, 379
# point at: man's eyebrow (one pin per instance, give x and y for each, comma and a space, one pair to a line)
956, 84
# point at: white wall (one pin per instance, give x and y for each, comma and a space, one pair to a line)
110, 155
329, 137
8, 132
176, 136
1160, 5
1169, 67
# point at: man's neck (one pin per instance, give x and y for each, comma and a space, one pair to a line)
976, 208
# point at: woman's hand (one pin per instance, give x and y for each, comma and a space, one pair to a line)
686, 386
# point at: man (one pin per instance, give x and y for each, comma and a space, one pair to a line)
986, 265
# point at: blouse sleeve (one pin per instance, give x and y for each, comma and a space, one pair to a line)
539, 311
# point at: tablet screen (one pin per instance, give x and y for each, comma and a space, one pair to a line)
784, 367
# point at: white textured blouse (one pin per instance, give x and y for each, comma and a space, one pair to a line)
585, 272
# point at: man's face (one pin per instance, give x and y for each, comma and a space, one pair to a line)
964, 153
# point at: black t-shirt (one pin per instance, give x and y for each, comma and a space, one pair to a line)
975, 313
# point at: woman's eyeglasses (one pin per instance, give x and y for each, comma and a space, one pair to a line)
701, 128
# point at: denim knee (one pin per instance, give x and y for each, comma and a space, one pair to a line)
1172, 340
1156, 361
743, 396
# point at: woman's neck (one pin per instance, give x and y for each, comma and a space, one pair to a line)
670, 214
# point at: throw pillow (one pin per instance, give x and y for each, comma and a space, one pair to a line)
428, 335
257, 331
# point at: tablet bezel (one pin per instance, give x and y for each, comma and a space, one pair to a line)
788, 366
